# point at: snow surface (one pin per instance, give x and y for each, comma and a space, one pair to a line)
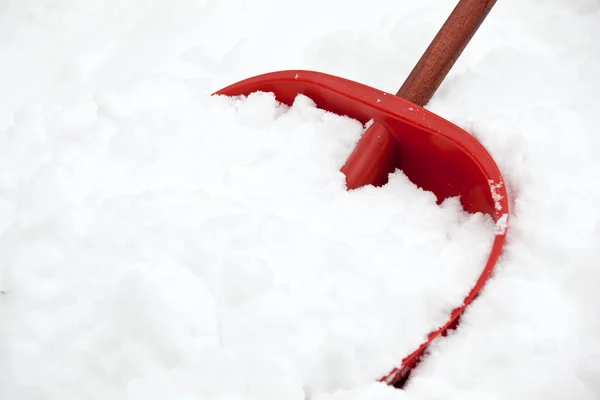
216, 236
157, 242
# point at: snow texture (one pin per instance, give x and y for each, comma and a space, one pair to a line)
159, 242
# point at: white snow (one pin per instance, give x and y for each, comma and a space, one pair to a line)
157, 242
216, 232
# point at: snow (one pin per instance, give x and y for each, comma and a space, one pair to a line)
157, 242
220, 230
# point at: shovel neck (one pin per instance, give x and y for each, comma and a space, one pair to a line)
444, 50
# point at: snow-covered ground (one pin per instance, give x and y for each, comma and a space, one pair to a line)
158, 242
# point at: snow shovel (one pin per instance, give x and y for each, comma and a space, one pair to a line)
435, 154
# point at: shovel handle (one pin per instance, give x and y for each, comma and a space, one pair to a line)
444, 50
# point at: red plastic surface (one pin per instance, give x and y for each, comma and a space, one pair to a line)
435, 154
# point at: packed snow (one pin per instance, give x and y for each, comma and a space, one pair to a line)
160, 242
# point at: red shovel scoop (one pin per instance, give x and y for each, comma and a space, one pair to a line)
435, 154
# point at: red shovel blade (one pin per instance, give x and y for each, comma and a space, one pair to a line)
435, 154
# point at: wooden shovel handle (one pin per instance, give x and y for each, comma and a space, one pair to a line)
444, 50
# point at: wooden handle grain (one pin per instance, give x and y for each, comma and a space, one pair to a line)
444, 50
